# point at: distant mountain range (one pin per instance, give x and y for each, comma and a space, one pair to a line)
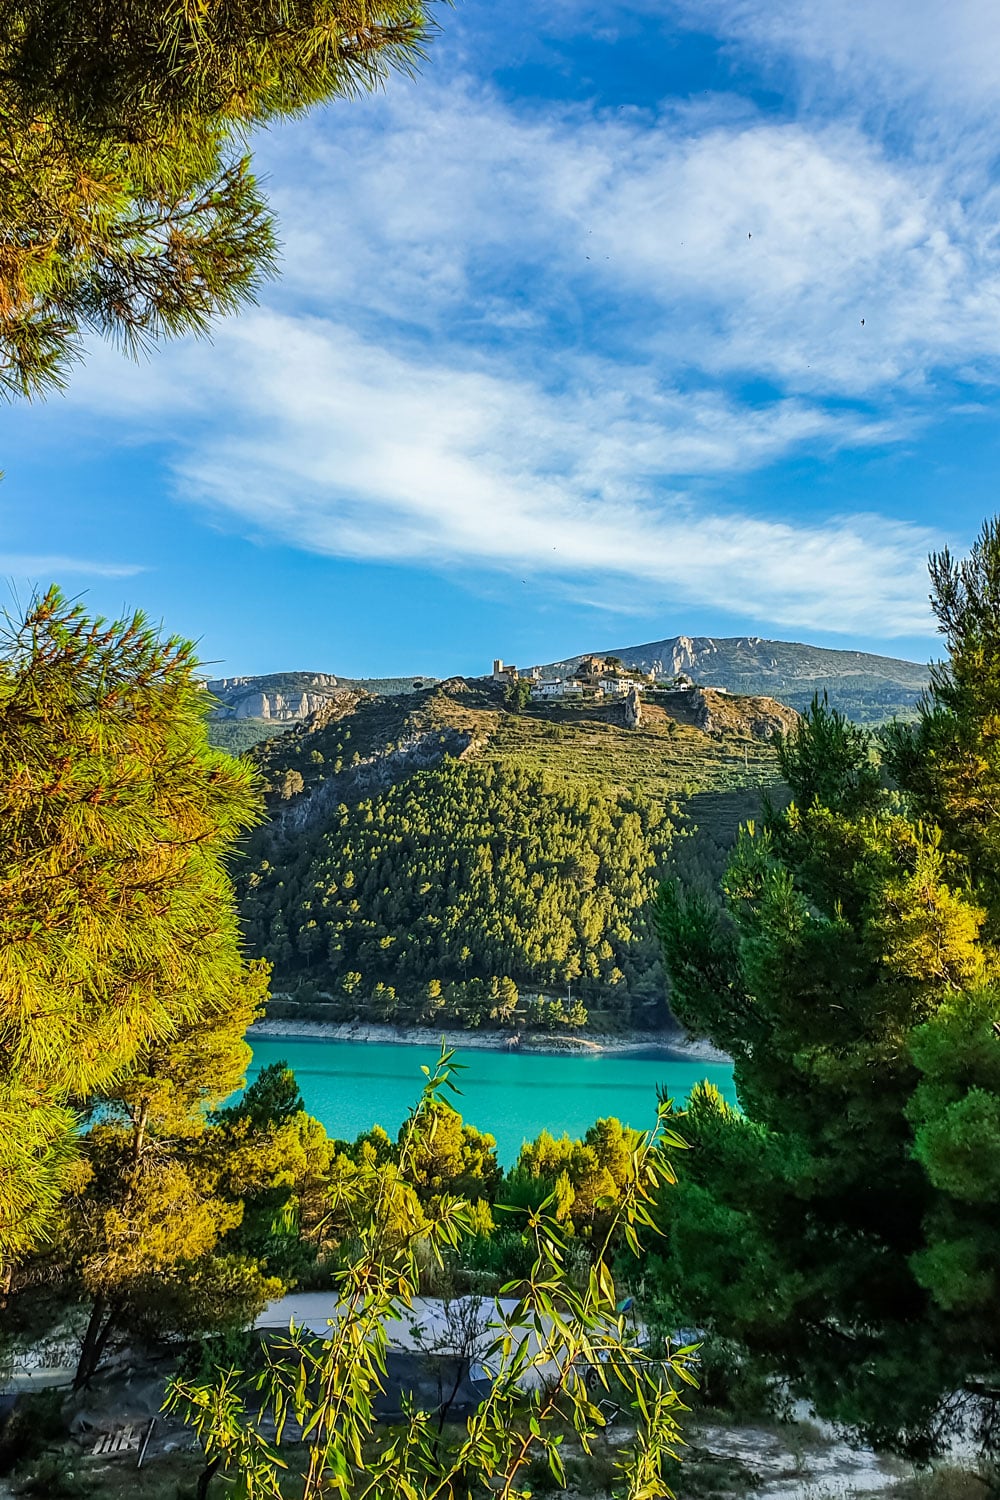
296, 695
252, 708
868, 688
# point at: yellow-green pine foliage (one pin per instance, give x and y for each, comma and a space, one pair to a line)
128, 204
585, 1176
117, 922
151, 1196
949, 762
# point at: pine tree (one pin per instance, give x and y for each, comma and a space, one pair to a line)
149, 1203
129, 205
852, 978
117, 923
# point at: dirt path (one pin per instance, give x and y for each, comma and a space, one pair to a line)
799, 1459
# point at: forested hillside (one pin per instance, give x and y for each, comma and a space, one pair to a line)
438, 893
445, 859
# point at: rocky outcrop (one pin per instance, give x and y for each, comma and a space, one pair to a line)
701, 712
632, 708
721, 713
284, 696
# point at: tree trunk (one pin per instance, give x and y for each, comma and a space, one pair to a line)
205, 1478
139, 1133
102, 1318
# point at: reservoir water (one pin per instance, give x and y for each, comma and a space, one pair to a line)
351, 1086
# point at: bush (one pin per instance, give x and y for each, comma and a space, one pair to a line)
35, 1421
731, 1381
55, 1478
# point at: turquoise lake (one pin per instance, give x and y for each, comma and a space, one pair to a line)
351, 1086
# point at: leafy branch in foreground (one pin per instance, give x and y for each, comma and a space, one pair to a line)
554, 1366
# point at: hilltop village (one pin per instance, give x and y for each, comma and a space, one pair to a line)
594, 677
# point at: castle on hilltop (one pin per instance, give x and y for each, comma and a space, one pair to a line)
595, 677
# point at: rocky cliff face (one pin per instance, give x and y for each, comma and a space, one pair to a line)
285, 696
720, 714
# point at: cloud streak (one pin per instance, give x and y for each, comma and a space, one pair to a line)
320, 439
43, 566
552, 341
902, 48
702, 238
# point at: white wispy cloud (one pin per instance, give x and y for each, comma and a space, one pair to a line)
704, 238
315, 436
44, 566
523, 339
897, 47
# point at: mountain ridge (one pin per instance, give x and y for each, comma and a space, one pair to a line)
865, 686
421, 851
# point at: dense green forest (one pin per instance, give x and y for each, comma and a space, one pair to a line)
510, 879
455, 888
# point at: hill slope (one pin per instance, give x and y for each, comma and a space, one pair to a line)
868, 688
428, 857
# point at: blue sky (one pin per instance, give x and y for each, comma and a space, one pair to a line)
634, 320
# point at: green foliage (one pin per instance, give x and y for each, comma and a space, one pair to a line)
150, 1201
448, 1156
583, 1180
517, 694
129, 203
949, 761
325, 1389
117, 923
279, 1165
476, 876
239, 736
829, 761
845, 1228
270, 1100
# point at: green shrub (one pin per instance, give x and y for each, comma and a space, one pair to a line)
36, 1421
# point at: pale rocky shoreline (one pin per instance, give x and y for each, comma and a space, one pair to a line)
489, 1040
